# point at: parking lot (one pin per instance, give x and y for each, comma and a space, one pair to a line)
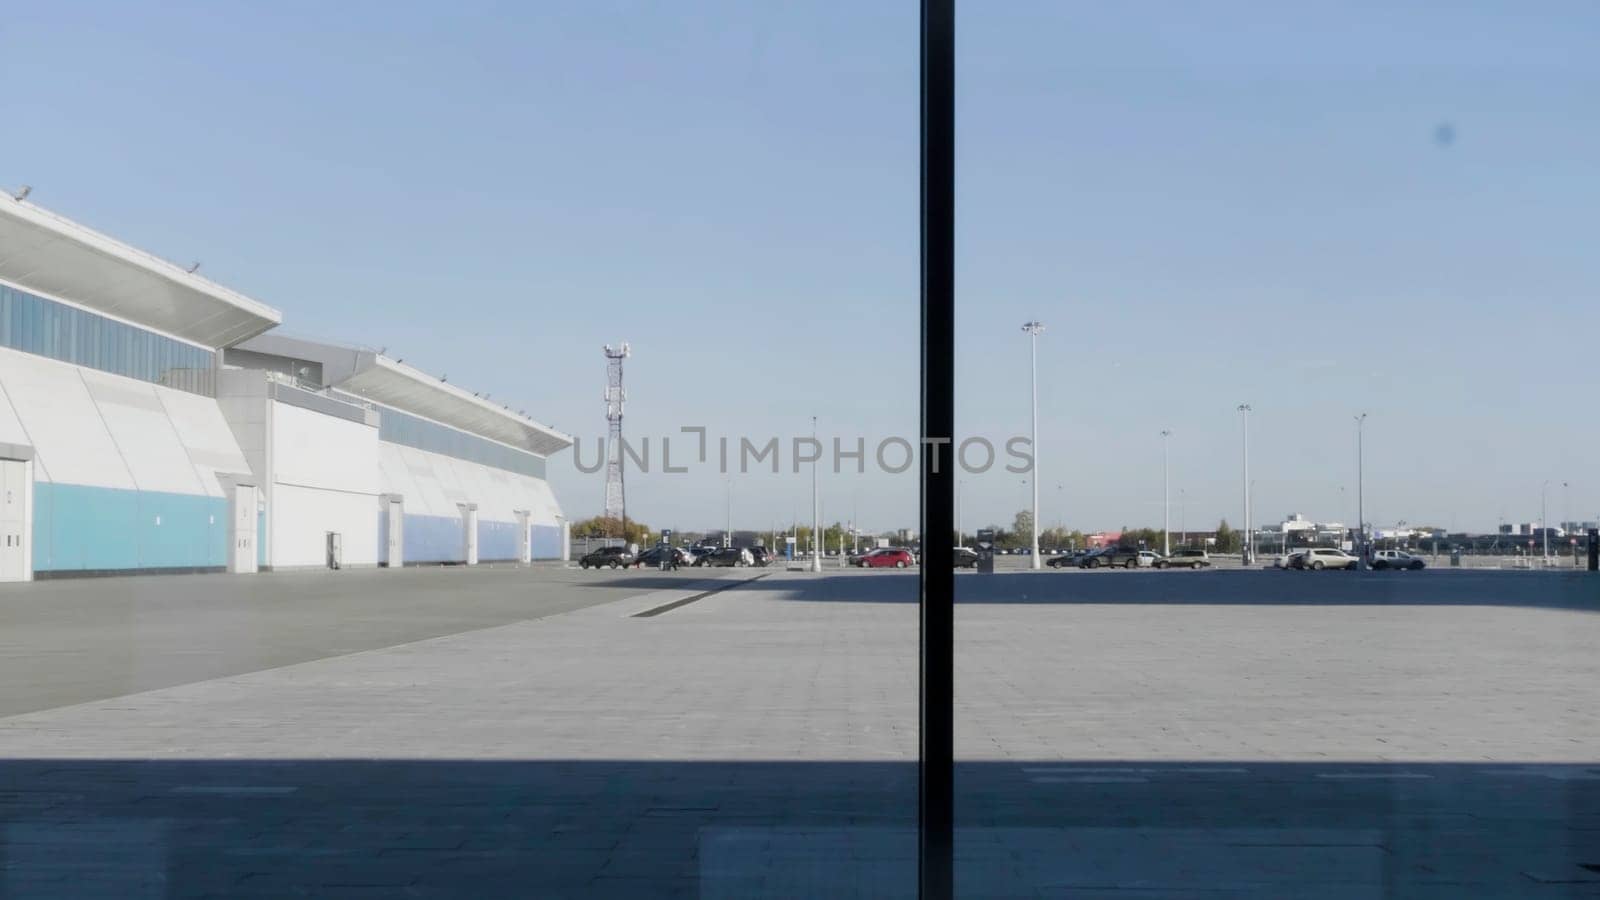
551, 732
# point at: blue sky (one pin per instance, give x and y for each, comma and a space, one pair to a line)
1206, 203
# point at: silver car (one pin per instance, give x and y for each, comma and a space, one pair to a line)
1319, 558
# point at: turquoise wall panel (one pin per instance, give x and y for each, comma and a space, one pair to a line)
76, 527
181, 531
432, 539
546, 542
497, 541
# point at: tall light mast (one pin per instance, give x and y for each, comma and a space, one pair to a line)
616, 500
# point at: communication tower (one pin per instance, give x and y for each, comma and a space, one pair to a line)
616, 501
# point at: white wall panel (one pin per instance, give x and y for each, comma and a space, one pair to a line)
502, 495
430, 499
444, 468
206, 436
143, 434
302, 516
433, 484
394, 476
479, 486
314, 450
11, 430
545, 509
69, 438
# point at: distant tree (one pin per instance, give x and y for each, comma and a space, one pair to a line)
611, 527
1022, 526
1227, 538
1060, 539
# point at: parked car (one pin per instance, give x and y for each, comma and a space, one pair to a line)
1396, 559
1066, 559
886, 557
1127, 557
1318, 558
966, 558
652, 557
1148, 558
615, 557
1194, 559
1288, 560
726, 558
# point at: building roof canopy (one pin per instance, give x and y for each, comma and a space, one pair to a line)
43, 252
367, 373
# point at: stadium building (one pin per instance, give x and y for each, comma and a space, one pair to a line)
150, 420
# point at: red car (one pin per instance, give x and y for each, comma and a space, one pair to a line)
886, 557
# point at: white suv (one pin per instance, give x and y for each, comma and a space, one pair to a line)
1396, 559
1319, 558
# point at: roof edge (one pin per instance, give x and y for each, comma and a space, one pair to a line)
373, 359
127, 253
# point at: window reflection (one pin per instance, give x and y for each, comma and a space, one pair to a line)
44, 327
399, 428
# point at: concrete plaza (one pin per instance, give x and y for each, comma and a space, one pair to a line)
520, 733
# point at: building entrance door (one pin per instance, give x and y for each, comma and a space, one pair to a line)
242, 535
394, 511
524, 547
469, 533
15, 520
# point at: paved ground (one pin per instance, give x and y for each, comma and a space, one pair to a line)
73, 640
1121, 734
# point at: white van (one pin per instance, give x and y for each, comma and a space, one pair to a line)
1319, 558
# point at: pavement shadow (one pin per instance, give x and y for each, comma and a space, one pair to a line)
624, 828
1546, 590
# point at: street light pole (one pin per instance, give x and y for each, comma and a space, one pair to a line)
1033, 329
1544, 521
1361, 492
1244, 419
960, 540
1166, 496
1183, 516
816, 508
727, 529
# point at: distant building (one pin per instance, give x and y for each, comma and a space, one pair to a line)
1102, 539
1298, 530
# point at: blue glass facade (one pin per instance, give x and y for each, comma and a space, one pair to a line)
33, 324
399, 428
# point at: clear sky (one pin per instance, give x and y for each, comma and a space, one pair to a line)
1316, 208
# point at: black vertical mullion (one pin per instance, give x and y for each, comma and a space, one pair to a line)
936, 775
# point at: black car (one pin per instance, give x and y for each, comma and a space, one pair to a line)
615, 557
1066, 559
652, 557
1127, 557
966, 558
726, 557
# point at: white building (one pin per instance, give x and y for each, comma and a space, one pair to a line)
426, 472
1297, 529
137, 435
